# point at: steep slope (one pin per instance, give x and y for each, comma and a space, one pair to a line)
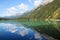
56, 14
47, 11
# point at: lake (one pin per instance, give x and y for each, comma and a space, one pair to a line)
12, 30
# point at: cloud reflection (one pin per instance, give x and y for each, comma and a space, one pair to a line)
13, 28
20, 30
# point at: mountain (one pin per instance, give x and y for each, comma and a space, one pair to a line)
48, 11
17, 15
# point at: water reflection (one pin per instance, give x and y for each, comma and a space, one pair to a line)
57, 25
10, 31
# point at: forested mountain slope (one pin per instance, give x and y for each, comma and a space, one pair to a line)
49, 11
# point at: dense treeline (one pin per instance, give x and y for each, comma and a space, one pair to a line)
4, 19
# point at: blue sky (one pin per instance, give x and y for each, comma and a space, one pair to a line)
13, 7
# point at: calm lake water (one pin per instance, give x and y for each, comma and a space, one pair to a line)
11, 30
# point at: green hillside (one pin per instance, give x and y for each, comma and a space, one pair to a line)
49, 11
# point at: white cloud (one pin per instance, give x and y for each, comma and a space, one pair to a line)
9, 27
41, 2
30, 0
24, 32
23, 6
10, 11
13, 11
12, 30
37, 36
47, 1
37, 3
